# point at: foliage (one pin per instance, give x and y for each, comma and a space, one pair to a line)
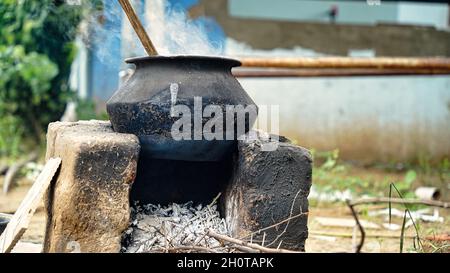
10, 137
329, 174
36, 52
86, 110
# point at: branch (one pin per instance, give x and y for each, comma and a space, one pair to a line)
262, 249
349, 235
432, 203
190, 248
361, 229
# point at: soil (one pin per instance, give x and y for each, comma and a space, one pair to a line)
315, 242
11, 201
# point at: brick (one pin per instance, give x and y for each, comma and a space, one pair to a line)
88, 204
268, 187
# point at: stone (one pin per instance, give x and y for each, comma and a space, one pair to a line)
88, 204
268, 188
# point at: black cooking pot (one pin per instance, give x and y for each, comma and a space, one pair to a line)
142, 106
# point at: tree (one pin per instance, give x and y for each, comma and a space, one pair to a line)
36, 51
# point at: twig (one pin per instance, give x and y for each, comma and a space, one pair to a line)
214, 201
197, 242
287, 224
248, 245
190, 248
277, 224
432, 203
12, 171
392, 185
361, 229
440, 248
348, 235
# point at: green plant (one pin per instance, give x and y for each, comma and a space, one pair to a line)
10, 137
24, 81
404, 186
329, 175
36, 51
86, 109
444, 170
416, 226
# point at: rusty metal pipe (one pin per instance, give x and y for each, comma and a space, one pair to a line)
341, 72
349, 63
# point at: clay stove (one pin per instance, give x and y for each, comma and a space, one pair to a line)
108, 167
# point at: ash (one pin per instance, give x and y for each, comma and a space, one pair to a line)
173, 228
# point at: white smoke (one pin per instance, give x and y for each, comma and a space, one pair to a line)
98, 36
173, 33
169, 28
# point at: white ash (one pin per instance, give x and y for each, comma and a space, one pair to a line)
155, 228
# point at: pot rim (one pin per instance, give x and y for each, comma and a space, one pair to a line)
143, 59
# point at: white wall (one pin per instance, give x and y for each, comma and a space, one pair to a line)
370, 119
350, 12
431, 14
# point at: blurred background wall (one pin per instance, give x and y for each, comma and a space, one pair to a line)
369, 119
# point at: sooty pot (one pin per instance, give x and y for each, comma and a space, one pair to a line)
142, 106
171, 170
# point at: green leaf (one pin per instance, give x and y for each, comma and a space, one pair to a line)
410, 177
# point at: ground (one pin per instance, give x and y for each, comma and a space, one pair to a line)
372, 181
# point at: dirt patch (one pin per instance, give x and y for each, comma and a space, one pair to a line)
340, 240
317, 242
11, 201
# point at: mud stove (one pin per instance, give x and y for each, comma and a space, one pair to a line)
110, 166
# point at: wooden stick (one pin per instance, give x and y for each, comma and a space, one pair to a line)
20, 220
221, 237
138, 28
431, 203
348, 62
190, 248
349, 235
245, 249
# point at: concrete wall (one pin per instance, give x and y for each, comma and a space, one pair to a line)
338, 39
313, 11
349, 12
369, 119
432, 14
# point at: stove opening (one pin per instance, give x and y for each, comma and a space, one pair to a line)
166, 181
